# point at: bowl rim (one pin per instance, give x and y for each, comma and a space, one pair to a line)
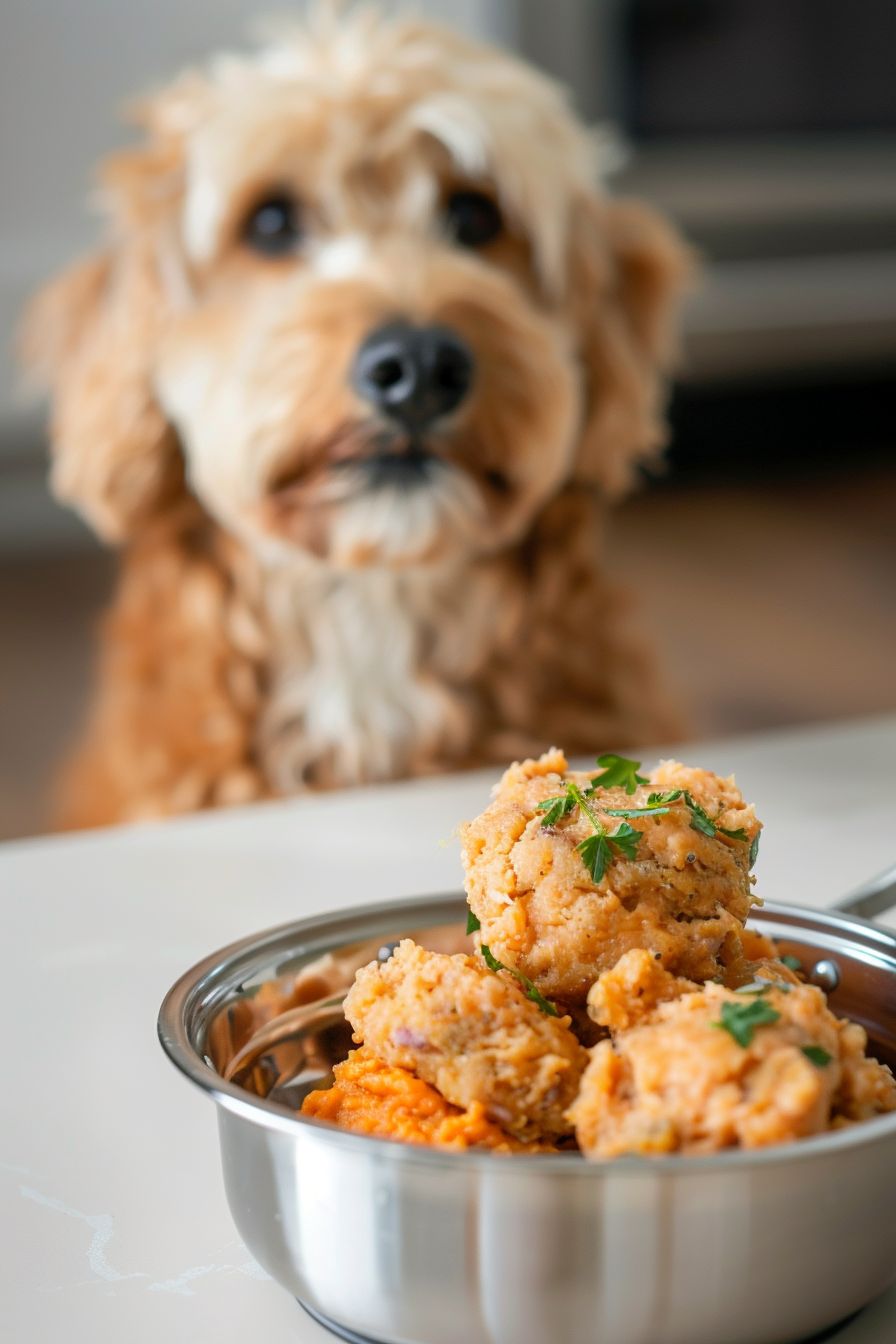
186, 993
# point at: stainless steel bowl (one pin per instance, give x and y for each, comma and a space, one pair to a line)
389, 1242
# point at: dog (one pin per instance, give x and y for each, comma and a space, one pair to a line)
365, 356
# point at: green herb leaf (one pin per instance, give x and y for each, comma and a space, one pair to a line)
491, 961
660, 799
740, 1020
580, 799
555, 809
792, 963
473, 925
626, 839
618, 772
700, 819
597, 850
739, 834
817, 1055
530, 990
658, 806
635, 811
754, 849
596, 854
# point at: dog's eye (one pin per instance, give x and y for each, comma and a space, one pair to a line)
473, 218
274, 227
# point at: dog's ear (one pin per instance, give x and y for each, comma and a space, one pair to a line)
628, 270
89, 337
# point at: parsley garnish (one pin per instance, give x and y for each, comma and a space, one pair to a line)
596, 854
560, 806
701, 820
658, 806
754, 849
817, 1055
597, 850
740, 1020
530, 990
627, 839
473, 925
555, 809
792, 963
648, 811
738, 834
618, 772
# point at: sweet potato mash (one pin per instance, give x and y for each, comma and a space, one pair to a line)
372, 1097
607, 911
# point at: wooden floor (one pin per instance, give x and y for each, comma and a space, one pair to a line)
770, 605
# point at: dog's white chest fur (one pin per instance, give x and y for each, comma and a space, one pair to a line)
348, 699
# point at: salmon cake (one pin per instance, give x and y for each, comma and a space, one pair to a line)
699, 1068
471, 1033
566, 871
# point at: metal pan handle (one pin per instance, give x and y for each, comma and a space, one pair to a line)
872, 897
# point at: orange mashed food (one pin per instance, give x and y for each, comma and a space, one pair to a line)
372, 1097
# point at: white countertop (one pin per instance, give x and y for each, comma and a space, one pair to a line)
113, 1222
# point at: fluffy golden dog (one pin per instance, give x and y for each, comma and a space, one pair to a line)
365, 354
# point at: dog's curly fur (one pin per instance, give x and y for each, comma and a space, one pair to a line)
283, 621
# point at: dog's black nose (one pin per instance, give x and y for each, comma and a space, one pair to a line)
413, 375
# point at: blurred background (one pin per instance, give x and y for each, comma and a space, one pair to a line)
764, 557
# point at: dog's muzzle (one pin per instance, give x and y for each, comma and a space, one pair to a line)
414, 376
